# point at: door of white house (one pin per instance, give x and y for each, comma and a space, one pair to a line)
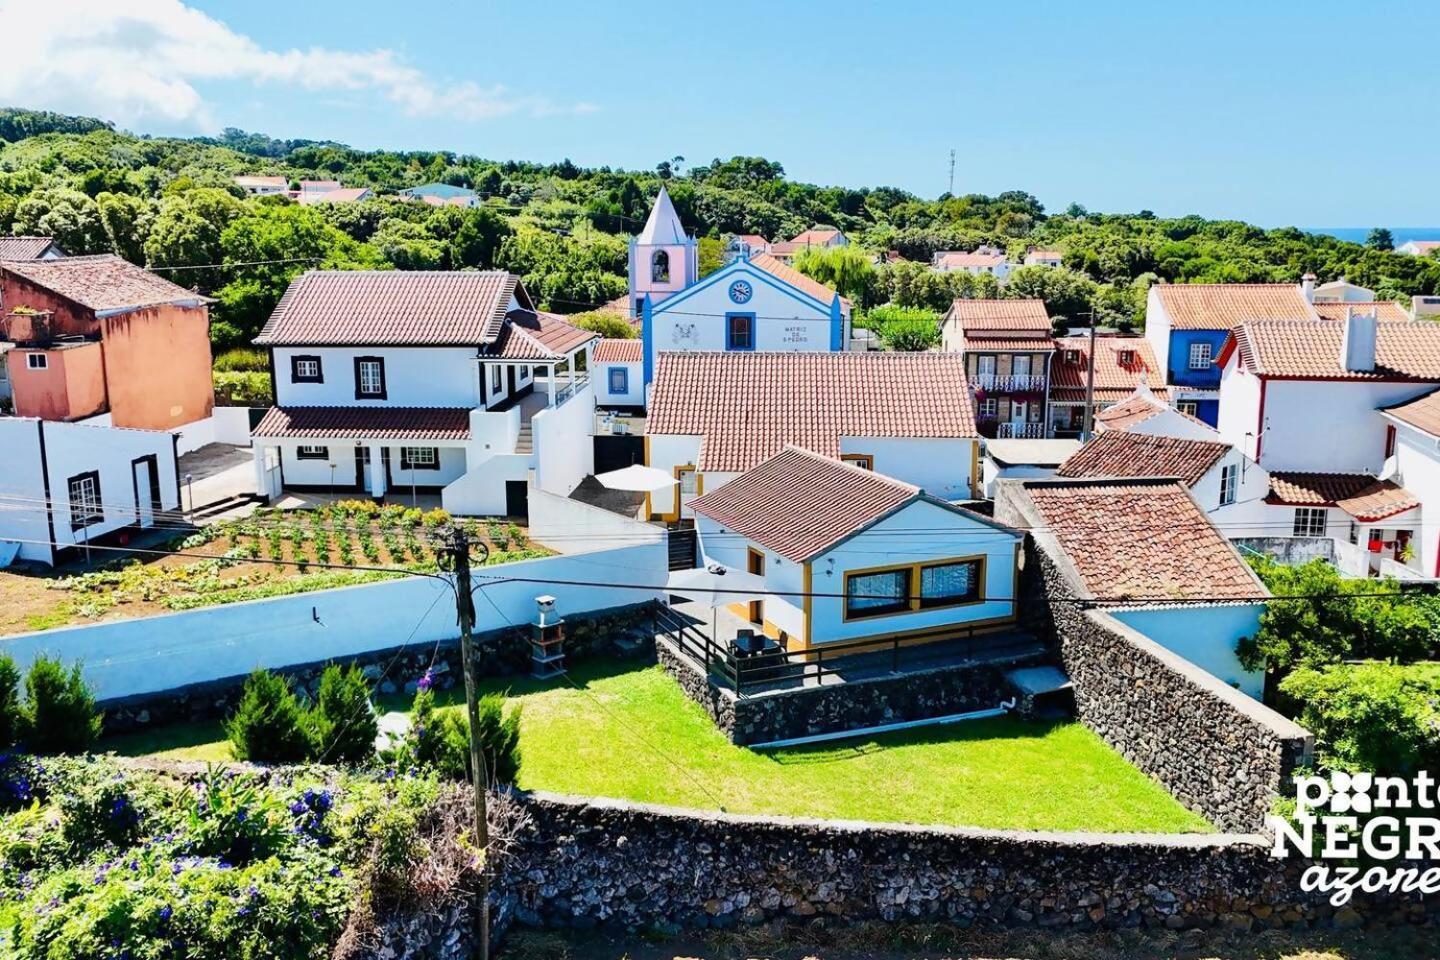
144, 505
1017, 411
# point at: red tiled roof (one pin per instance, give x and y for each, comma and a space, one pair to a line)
1116, 453
961, 259
1422, 413
800, 504
1114, 380
340, 195
999, 315
1141, 540
365, 423
1042, 344
618, 351
747, 406
1388, 311
783, 248
532, 335
1220, 306
783, 271
816, 237
24, 248
102, 283
1127, 413
374, 307
1311, 350
1360, 495
247, 178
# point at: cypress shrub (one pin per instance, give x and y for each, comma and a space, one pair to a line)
269, 725
343, 725
60, 714
12, 711
499, 741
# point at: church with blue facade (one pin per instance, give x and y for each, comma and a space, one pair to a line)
754, 303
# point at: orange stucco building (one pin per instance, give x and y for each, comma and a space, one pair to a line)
91, 335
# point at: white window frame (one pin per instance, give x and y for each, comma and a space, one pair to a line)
990, 408
311, 451
420, 458
497, 379
982, 361
1229, 483
307, 369
32, 364
1188, 407
1201, 355
370, 375
84, 493
1306, 521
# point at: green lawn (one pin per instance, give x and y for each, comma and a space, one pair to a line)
633, 734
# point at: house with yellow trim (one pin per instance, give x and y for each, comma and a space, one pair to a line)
849, 554
714, 415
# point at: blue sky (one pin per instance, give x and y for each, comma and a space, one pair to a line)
1223, 109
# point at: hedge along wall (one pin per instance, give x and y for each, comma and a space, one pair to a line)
1218, 751
585, 863
125, 659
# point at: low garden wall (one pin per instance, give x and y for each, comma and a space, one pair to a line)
1218, 751
586, 863
808, 711
619, 632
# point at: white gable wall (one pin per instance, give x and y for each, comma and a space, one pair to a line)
1329, 426
1157, 329
1417, 469
414, 377
941, 467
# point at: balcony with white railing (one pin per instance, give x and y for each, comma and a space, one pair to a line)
1020, 431
1010, 382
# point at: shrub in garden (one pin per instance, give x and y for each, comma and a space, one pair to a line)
100, 810
269, 725
343, 726
60, 714
231, 817
440, 740
12, 713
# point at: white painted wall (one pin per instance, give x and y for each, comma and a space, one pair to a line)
1417, 469
1206, 636
414, 377
1157, 330
992, 471
129, 657
782, 576
666, 452
940, 467
1239, 415
564, 444
1331, 426
71, 449
921, 531
1171, 423
571, 526
1249, 515
632, 397
480, 492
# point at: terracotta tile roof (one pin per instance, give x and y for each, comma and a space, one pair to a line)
1127, 413
999, 315
103, 283
986, 342
1116, 453
1311, 350
341, 195
24, 248
1388, 311
957, 259
1424, 246
783, 271
1141, 540
816, 237
753, 240
250, 180
783, 248
319, 184
378, 307
800, 504
365, 423
1115, 378
1220, 306
1360, 495
618, 351
747, 406
1422, 413
532, 335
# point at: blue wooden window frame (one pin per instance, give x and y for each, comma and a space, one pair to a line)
619, 380
730, 338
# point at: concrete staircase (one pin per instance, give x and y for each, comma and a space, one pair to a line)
525, 440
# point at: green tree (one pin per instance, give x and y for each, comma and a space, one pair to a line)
1380, 239
60, 714
1377, 717
610, 325
343, 725
269, 724
844, 269
1068, 294
126, 220
187, 232
12, 711
69, 216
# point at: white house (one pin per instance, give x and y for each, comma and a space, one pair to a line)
815, 238
1306, 395
1230, 488
65, 485
618, 372
1145, 550
1143, 412
1342, 291
447, 382
1414, 463
713, 416
262, 186
1035, 257
1121, 365
982, 261
1372, 522
1419, 248
840, 540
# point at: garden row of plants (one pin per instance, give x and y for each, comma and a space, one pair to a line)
101, 858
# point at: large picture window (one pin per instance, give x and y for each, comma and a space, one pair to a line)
369, 378
85, 505
915, 586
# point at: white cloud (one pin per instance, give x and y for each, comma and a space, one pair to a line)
143, 61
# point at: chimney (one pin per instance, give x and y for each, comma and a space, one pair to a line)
1357, 342
1307, 287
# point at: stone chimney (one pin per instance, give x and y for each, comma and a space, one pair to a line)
1307, 287
1357, 342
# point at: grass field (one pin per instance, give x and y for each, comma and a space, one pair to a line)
631, 733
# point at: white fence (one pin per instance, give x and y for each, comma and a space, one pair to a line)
129, 657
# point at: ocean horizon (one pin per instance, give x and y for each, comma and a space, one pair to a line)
1358, 234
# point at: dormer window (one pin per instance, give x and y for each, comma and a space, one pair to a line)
1127, 357
1072, 356
660, 267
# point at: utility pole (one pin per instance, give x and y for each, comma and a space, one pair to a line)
952, 172
459, 550
1088, 425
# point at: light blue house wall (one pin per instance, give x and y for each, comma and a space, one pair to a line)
1204, 635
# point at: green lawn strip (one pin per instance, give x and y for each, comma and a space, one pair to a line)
633, 734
